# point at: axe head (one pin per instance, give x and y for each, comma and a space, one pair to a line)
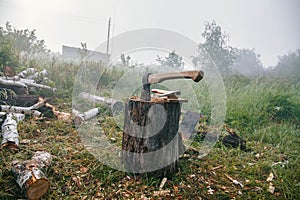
195, 75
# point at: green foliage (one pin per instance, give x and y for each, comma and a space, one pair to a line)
15, 44
125, 60
214, 50
173, 60
288, 66
248, 63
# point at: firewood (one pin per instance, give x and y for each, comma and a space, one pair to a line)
29, 175
80, 117
19, 100
24, 110
31, 83
24, 73
10, 135
113, 103
17, 86
23, 80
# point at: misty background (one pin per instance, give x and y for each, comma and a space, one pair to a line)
268, 27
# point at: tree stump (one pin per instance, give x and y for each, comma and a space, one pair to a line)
151, 143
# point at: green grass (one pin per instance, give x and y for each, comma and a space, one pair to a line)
272, 136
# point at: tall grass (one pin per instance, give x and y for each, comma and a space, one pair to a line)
256, 102
263, 110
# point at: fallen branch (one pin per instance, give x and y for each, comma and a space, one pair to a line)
29, 176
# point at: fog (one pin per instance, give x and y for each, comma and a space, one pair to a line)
270, 26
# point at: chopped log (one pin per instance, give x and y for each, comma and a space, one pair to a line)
17, 86
10, 135
20, 100
18, 83
25, 73
42, 158
113, 103
29, 176
24, 110
151, 143
31, 83
80, 117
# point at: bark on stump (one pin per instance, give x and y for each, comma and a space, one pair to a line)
151, 143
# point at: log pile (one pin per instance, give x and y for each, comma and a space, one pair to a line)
30, 176
16, 102
10, 135
25, 80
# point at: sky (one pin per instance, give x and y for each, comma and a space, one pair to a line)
271, 27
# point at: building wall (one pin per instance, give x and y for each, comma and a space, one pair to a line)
77, 54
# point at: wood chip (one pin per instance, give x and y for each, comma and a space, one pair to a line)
271, 189
164, 180
217, 167
270, 177
161, 193
234, 181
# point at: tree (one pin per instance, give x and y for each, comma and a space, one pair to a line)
125, 60
215, 49
15, 42
173, 60
247, 62
289, 65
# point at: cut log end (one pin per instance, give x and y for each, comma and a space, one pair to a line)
38, 188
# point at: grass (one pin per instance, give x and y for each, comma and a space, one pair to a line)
272, 137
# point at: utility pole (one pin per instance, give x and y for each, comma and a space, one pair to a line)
108, 33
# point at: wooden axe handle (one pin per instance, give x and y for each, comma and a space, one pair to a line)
195, 75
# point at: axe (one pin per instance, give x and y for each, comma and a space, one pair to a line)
148, 79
